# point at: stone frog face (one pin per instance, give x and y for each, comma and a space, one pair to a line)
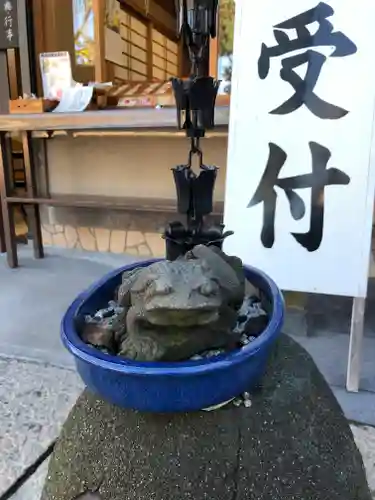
180, 293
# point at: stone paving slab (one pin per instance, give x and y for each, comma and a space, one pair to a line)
330, 352
358, 407
365, 439
32, 489
34, 402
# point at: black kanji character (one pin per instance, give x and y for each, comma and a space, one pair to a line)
316, 181
304, 88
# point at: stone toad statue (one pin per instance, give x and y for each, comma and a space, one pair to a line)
178, 309
180, 293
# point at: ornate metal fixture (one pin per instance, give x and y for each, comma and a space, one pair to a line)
195, 101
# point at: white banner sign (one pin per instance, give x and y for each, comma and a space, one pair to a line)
300, 174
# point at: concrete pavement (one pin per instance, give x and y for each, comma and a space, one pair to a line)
34, 297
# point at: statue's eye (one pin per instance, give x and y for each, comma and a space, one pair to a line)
148, 287
208, 289
142, 286
205, 265
163, 288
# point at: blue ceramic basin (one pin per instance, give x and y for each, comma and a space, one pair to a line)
169, 387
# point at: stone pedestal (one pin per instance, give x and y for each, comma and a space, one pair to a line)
292, 444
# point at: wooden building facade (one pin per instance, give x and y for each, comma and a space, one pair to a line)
106, 187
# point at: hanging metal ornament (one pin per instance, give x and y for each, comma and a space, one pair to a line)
195, 101
197, 16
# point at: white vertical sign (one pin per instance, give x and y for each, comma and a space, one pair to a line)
300, 173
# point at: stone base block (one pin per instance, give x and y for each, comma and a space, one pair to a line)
292, 443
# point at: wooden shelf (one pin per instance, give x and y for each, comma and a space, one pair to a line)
120, 119
111, 203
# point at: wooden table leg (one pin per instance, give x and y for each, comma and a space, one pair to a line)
2, 233
34, 219
7, 209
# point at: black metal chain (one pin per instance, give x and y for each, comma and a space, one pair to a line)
195, 150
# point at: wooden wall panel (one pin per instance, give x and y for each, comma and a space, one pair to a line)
134, 62
164, 20
164, 56
53, 28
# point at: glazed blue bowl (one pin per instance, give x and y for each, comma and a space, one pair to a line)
169, 387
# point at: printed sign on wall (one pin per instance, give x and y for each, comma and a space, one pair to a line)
8, 24
300, 175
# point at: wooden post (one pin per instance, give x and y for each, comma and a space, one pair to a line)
98, 8
13, 72
39, 40
150, 27
7, 210
355, 344
34, 214
4, 108
23, 47
4, 84
2, 233
214, 57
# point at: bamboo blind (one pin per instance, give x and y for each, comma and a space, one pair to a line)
164, 57
142, 49
134, 38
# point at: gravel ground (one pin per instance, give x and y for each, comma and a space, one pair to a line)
34, 402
